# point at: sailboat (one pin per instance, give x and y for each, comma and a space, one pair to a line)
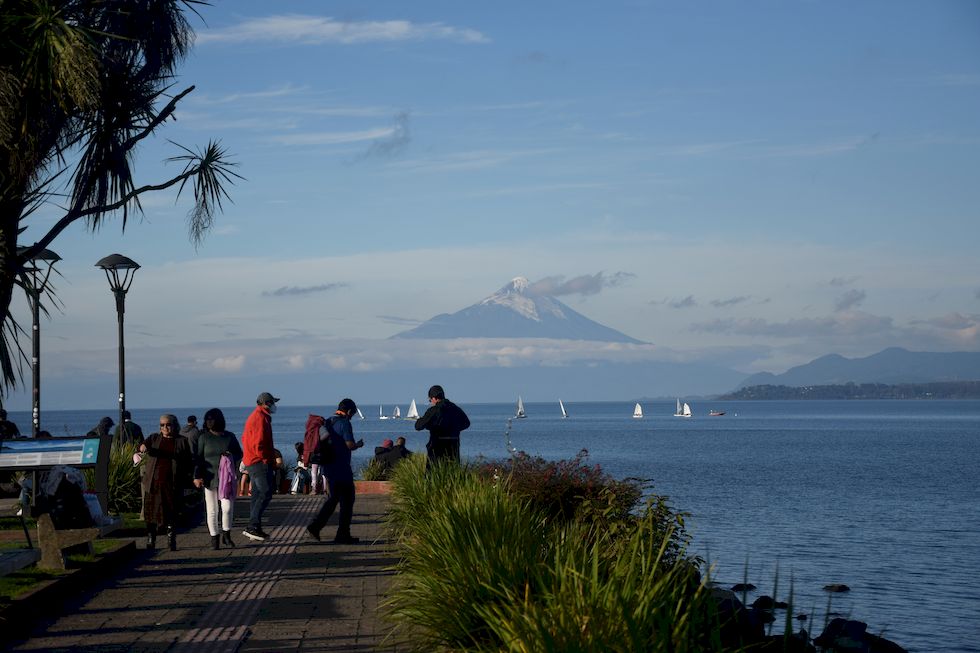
520, 408
683, 410
381, 413
638, 411
360, 414
413, 411
562, 406
397, 414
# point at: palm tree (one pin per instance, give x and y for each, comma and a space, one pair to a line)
82, 82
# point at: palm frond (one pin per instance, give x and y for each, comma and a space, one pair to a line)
211, 171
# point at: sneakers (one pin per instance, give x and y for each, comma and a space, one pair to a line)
256, 534
312, 533
346, 540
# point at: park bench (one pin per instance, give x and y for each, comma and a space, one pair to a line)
30, 455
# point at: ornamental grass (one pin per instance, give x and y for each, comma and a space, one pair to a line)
486, 568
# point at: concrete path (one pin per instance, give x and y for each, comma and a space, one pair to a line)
286, 594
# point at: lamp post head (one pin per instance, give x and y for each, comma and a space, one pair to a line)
119, 270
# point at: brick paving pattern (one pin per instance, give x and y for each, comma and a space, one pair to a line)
286, 594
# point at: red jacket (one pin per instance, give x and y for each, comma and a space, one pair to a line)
257, 438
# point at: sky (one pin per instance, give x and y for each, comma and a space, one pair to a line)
752, 184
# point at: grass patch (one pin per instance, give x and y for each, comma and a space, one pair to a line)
19, 582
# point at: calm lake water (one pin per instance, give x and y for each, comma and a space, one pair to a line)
883, 496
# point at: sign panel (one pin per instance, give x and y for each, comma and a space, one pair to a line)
77, 452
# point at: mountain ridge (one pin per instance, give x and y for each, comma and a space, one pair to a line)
892, 366
516, 312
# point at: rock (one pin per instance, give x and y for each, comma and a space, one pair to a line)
739, 626
765, 602
836, 587
843, 636
798, 643
801, 617
743, 587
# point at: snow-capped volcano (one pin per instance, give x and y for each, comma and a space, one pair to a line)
515, 312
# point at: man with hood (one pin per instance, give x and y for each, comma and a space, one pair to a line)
259, 459
444, 420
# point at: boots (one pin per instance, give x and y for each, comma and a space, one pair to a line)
215, 542
151, 536
172, 538
226, 539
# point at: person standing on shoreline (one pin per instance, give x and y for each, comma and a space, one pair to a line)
338, 434
444, 421
259, 459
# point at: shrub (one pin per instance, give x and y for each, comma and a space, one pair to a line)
486, 564
560, 488
373, 471
125, 490
471, 540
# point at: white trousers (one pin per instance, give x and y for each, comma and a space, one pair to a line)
319, 481
211, 505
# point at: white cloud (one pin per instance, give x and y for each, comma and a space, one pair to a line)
229, 363
316, 30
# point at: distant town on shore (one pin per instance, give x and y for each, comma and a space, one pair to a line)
939, 390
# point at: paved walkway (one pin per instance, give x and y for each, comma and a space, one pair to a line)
286, 594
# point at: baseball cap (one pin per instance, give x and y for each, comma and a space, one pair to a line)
266, 398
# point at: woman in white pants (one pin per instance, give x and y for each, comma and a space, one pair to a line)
213, 444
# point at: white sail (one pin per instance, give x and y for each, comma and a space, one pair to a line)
520, 408
397, 414
562, 406
381, 413
413, 411
637, 411
360, 414
683, 410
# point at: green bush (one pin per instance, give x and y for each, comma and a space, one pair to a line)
487, 565
561, 488
470, 540
125, 490
373, 471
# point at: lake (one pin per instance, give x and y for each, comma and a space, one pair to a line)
883, 496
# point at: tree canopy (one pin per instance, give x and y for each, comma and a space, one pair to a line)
82, 82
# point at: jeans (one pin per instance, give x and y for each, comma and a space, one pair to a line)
341, 492
261, 476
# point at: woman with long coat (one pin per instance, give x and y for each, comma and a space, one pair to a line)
216, 457
167, 456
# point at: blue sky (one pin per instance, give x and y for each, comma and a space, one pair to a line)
749, 183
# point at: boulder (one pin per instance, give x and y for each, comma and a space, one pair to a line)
743, 587
766, 602
739, 626
836, 587
844, 636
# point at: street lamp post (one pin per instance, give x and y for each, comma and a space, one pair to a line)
119, 270
38, 271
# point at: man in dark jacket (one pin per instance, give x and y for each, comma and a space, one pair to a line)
129, 431
444, 420
390, 455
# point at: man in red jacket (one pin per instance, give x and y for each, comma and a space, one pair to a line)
259, 458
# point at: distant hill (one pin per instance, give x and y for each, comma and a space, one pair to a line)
515, 312
944, 390
889, 366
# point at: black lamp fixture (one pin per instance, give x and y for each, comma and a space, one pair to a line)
120, 270
38, 270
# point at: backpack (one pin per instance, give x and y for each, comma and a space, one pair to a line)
321, 450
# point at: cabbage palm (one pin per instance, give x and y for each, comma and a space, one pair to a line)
82, 82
